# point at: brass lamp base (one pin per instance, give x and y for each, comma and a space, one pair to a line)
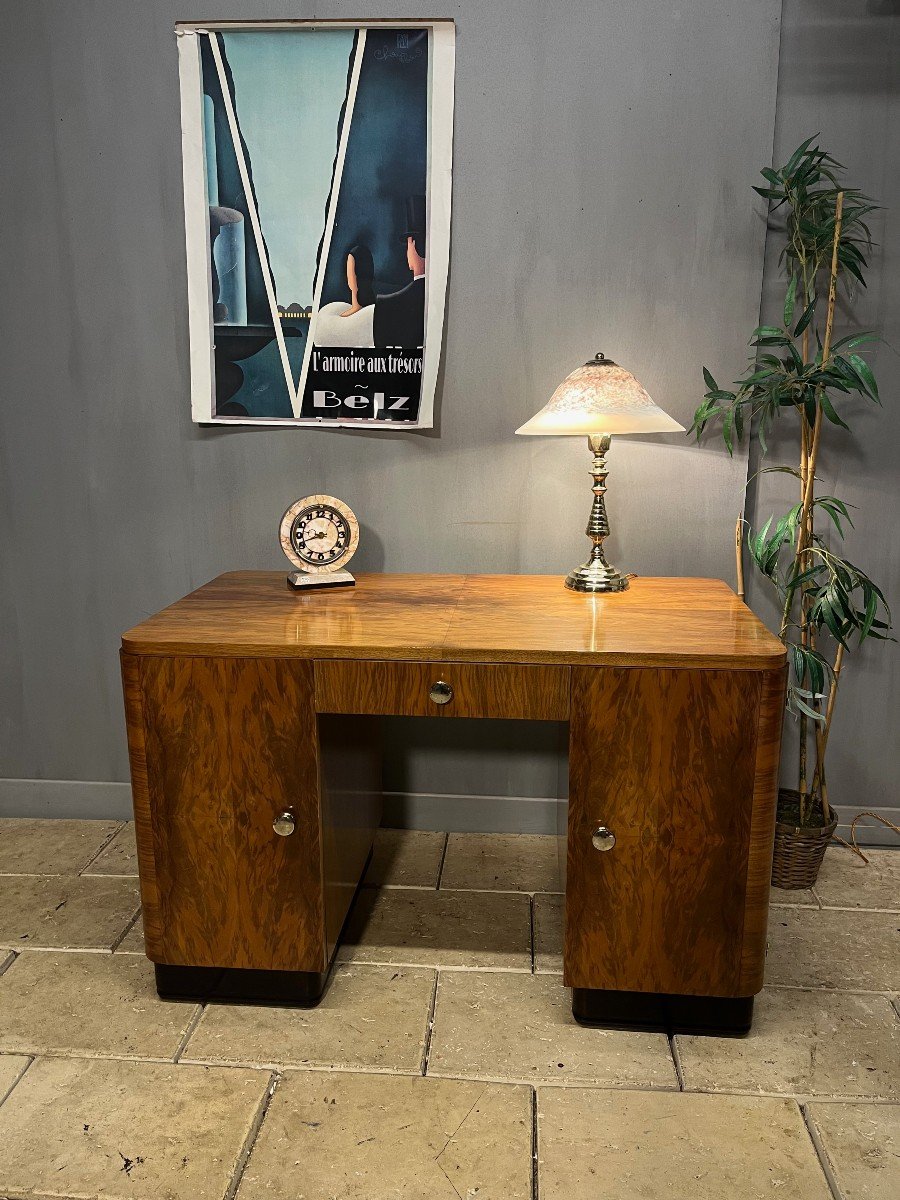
596, 575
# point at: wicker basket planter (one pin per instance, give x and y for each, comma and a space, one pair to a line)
798, 851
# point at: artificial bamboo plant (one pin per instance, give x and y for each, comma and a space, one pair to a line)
799, 372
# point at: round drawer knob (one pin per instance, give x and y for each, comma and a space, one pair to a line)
284, 824
441, 693
603, 838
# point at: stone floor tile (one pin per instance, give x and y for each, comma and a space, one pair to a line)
862, 1146
502, 862
520, 1028
141, 1131
87, 1004
119, 857
370, 1018
406, 858
11, 1068
446, 929
845, 881
549, 912
802, 1043
834, 949
32, 846
650, 1146
63, 912
789, 898
370, 1137
133, 941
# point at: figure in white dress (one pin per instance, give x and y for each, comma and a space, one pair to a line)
338, 325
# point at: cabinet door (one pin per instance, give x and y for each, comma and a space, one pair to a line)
219, 747
666, 760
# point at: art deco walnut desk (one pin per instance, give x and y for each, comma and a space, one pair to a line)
253, 716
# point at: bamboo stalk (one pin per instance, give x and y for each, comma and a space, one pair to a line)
819, 776
826, 351
804, 424
805, 526
804, 475
822, 732
809, 452
832, 694
739, 558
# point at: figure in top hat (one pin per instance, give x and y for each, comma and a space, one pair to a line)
400, 316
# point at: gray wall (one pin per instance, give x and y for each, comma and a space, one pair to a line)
603, 156
840, 74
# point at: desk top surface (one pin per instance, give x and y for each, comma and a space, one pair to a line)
468, 618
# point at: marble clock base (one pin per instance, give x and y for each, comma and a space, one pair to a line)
330, 579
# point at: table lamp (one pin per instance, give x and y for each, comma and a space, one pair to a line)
599, 399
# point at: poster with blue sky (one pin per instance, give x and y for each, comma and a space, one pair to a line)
317, 176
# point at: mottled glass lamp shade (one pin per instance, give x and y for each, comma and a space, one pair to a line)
599, 399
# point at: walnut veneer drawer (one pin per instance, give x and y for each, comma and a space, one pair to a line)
502, 690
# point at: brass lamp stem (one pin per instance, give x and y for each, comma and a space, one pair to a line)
596, 575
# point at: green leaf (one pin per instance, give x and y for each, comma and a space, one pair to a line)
794, 161
805, 317
854, 339
804, 708
828, 409
739, 422
797, 661
871, 610
831, 620
854, 270
769, 193
789, 299
710, 382
833, 502
864, 371
816, 674
783, 470
834, 517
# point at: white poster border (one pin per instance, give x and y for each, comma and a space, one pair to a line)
442, 46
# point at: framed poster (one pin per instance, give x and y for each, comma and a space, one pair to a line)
317, 174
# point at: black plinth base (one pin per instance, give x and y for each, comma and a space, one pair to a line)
300, 988
658, 1011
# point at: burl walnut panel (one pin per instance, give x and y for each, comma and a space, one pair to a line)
219, 748
528, 693
762, 829
667, 760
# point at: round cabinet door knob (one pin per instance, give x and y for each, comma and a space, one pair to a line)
284, 824
603, 838
441, 693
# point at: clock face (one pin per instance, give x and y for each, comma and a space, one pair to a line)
319, 534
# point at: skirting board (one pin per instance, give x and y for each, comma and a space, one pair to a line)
76, 799
80, 799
